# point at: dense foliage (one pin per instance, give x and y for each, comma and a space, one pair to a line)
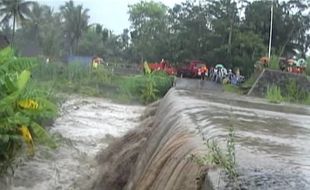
101, 82
21, 108
230, 32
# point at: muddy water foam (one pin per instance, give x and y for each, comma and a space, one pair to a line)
87, 125
271, 145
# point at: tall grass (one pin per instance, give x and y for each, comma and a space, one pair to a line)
295, 94
80, 79
224, 158
274, 62
143, 88
289, 93
274, 94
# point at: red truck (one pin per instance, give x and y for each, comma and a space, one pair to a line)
163, 66
191, 69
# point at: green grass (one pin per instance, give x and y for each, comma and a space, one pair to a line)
295, 94
290, 93
223, 158
232, 89
273, 94
76, 78
274, 63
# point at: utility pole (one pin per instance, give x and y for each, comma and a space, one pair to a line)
270, 32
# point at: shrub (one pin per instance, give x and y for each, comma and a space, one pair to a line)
21, 108
219, 157
274, 94
149, 90
274, 62
79, 78
294, 94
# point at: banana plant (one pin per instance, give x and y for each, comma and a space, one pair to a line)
20, 109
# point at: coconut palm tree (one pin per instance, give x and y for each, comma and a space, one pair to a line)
75, 23
18, 10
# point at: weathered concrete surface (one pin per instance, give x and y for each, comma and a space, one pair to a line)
271, 77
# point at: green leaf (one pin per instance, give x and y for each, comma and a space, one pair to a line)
22, 80
41, 135
5, 55
4, 138
9, 83
18, 119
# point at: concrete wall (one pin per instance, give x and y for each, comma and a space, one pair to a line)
279, 78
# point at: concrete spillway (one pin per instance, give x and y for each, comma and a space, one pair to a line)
271, 145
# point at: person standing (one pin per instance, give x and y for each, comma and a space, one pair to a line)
203, 72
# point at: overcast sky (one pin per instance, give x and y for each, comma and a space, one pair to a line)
111, 13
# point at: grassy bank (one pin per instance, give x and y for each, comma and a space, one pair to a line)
76, 78
289, 93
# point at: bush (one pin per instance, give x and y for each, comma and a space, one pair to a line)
274, 62
149, 90
224, 158
274, 94
148, 87
21, 109
73, 77
294, 94
78, 78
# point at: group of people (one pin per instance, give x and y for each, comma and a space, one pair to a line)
220, 74
203, 72
291, 65
294, 66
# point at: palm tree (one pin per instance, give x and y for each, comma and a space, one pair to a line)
75, 23
18, 10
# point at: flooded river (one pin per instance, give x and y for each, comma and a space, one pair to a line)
272, 149
87, 125
271, 141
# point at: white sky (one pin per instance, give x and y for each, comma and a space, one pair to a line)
113, 14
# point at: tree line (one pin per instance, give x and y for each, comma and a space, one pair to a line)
230, 32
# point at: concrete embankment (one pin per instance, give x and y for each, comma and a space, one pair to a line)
281, 79
155, 155
271, 145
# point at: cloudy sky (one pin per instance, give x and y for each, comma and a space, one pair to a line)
111, 13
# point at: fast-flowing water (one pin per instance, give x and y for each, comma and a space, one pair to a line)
272, 149
271, 144
86, 125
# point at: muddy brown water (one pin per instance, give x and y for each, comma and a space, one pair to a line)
85, 127
272, 144
272, 141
